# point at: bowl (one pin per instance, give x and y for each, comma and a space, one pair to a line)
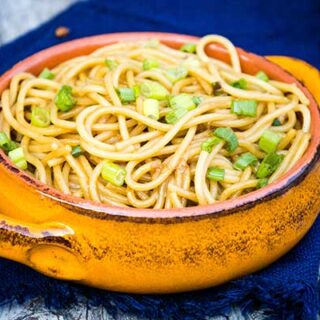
155, 251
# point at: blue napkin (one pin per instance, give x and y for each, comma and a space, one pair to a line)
286, 290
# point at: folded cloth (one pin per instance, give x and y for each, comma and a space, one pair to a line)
286, 290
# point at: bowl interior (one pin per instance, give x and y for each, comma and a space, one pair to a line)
250, 63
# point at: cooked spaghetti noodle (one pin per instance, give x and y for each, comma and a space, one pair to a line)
143, 125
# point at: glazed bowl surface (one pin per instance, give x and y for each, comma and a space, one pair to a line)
157, 251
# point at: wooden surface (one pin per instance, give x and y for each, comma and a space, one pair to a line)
12, 13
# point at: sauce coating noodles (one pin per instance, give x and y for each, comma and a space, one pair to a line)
143, 125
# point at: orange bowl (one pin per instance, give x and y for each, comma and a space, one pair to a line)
156, 251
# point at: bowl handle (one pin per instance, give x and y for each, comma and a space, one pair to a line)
47, 247
302, 70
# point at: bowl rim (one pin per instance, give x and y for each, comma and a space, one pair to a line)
103, 211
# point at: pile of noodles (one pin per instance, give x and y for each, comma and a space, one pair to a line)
165, 165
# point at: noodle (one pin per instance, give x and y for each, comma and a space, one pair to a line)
82, 150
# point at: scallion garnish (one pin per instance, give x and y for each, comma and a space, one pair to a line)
180, 106
4, 140
269, 165
262, 76
40, 117
182, 100
6, 144
175, 115
244, 107
210, 143
46, 74
64, 99
113, 173
269, 141
189, 48
244, 161
216, 174
111, 64
240, 84
262, 183
77, 151
229, 136
150, 64
136, 90
18, 158
127, 95
197, 100
151, 108
153, 90
276, 123
176, 74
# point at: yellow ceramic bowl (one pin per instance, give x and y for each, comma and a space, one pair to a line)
157, 251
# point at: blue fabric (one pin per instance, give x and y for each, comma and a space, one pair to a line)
285, 290
264, 27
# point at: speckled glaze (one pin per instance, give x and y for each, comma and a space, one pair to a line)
158, 251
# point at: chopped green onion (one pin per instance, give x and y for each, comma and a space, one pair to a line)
175, 115
113, 173
18, 158
150, 64
229, 136
127, 95
191, 61
269, 141
136, 90
153, 90
240, 84
209, 144
245, 160
217, 89
64, 99
77, 151
151, 108
244, 107
262, 183
6, 144
276, 123
176, 74
182, 100
40, 117
152, 43
22, 164
197, 100
46, 74
262, 76
269, 165
216, 174
4, 141
181, 105
111, 64
189, 48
